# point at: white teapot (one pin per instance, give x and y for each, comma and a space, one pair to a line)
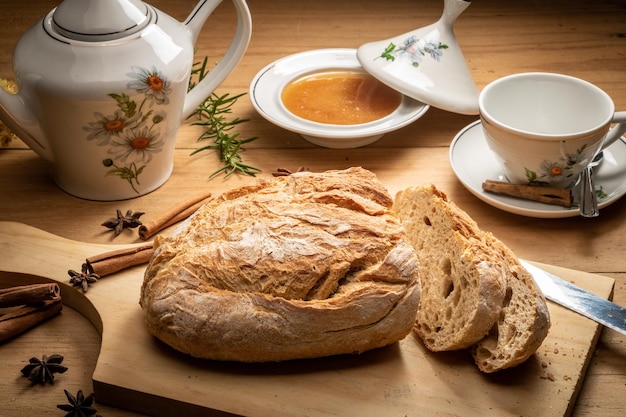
103, 90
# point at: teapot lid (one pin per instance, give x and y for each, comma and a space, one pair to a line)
100, 20
426, 64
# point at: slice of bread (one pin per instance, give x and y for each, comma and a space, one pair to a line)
475, 293
524, 319
463, 286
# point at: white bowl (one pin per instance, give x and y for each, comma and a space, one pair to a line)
267, 86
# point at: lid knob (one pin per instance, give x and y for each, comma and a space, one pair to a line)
100, 20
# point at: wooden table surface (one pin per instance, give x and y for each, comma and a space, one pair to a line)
498, 37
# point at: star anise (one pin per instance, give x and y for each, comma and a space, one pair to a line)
121, 222
84, 278
79, 406
40, 371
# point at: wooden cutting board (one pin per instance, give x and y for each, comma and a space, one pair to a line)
400, 380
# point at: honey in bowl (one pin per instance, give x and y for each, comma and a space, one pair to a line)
340, 97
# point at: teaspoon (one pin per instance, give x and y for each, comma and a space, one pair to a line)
588, 197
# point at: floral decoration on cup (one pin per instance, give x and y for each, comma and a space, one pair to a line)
555, 171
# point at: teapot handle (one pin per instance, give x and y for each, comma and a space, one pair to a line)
231, 58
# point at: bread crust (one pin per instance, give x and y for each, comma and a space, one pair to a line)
302, 266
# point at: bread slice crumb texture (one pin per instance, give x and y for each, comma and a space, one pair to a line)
523, 323
462, 286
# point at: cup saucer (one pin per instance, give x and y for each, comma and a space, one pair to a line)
473, 162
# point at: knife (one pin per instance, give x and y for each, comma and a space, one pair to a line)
576, 299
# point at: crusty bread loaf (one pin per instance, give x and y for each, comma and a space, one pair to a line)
302, 266
475, 293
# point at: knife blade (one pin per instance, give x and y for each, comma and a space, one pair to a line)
576, 299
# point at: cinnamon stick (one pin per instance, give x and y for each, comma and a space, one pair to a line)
172, 216
28, 294
550, 195
114, 261
110, 262
26, 317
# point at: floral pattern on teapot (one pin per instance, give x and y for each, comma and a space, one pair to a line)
131, 131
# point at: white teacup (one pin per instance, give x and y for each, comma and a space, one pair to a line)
545, 128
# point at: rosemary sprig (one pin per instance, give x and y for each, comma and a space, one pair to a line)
213, 114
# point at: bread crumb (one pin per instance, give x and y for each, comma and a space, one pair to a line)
549, 376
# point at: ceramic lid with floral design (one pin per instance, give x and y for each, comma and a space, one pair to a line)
426, 64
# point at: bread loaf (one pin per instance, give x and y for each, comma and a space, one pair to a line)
302, 266
475, 293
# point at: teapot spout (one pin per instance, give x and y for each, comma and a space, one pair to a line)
20, 120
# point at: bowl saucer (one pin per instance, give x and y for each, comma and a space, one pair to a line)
266, 88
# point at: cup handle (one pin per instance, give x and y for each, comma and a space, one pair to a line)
616, 131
